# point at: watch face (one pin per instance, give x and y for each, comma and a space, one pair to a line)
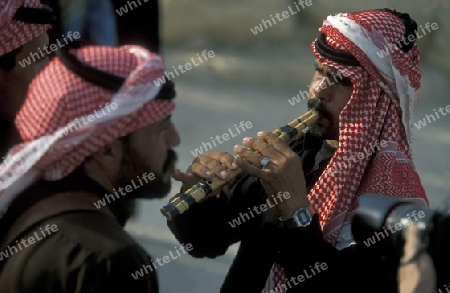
302, 217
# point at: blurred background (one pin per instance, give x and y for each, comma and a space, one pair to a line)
251, 78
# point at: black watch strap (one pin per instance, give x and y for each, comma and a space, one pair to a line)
301, 218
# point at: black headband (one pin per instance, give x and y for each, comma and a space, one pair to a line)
31, 15
105, 79
340, 56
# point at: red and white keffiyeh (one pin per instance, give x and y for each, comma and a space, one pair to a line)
65, 119
380, 109
13, 33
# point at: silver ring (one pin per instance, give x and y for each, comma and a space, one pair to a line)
264, 162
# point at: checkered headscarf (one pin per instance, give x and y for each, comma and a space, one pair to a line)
15, 33
380, 109
65, 119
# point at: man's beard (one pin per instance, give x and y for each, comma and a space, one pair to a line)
133, 170
320, 130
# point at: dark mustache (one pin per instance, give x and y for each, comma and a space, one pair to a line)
316, 104
171, 159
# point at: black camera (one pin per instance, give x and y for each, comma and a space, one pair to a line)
380, 223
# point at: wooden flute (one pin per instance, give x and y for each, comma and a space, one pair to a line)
181, 202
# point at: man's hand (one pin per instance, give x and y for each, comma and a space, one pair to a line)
284, 173
418, 276
206, 167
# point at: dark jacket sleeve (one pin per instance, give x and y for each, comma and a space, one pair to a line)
251, 266
312, 264
216, 223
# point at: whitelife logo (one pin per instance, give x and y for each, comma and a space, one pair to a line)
206, 146
410, 39
31, 240
374, 148
337, 77
397, 227
285, 14
259, 209
124, 9
294, 281
53, 47
423, 123
166, 259
86, 120
129, 188
169, 75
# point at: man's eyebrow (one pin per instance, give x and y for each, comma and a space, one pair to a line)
328, 71
331, 72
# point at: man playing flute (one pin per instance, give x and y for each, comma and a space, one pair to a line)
361, 144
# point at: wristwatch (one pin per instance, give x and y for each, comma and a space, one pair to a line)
301, 218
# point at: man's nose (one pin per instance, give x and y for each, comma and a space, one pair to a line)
173, 137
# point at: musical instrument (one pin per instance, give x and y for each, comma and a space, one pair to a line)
181, 203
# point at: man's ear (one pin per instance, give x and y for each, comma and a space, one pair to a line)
106, 162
